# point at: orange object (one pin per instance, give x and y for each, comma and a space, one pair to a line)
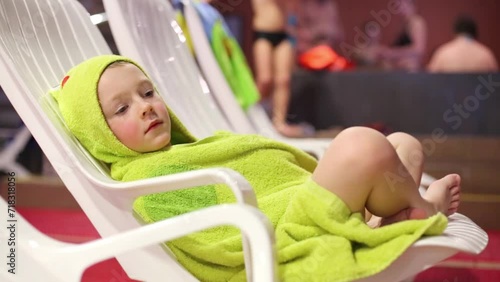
322, 57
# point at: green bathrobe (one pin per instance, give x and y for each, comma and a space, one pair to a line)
317, 237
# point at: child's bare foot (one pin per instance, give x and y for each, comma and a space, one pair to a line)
444, 194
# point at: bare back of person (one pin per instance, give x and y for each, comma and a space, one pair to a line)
463, 54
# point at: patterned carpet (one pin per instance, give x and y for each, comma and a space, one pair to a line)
73, 226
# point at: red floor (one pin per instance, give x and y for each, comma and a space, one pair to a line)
73, 226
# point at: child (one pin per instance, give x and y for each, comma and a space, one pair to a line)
273, 60
316, 208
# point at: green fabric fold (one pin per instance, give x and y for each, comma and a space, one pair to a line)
234, 65
318, 238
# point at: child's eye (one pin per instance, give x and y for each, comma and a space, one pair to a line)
150, 93
121, 110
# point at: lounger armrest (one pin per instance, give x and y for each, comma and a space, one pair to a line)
236, 182
255, 227
240, 187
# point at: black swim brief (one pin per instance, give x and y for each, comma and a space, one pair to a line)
275, 38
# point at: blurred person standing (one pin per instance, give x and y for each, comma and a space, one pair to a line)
274, 60
464, 53
366, 58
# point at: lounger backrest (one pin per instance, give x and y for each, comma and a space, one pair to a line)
147, 32
40, 40
43, 42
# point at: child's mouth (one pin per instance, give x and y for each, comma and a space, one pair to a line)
153, 125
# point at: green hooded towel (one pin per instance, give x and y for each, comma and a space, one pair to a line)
318, 238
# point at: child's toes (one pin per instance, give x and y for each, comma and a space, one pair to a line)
455, 190
453, 207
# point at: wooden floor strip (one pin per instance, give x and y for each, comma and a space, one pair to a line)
470, 264
482, 198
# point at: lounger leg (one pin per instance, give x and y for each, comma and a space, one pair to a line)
9, 154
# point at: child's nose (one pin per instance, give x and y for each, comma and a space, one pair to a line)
147, 109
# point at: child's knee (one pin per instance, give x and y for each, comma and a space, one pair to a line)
360, 134
364, 147
405, 139
264, 82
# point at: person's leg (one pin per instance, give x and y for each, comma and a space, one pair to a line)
283, 60
263, 59
362, 168
410, 153
282, 63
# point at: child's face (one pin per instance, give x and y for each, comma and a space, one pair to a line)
136, 114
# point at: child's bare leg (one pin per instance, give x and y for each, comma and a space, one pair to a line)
410, 153
362, 168
263, 59
451, 182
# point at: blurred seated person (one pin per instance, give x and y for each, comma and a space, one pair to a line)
366, 57
464, 53
407, 51
274, 60
315, 23
317, 32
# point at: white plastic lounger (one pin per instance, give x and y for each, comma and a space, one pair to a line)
40, 40
37, 257
128, 19
14, 136
12, 149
